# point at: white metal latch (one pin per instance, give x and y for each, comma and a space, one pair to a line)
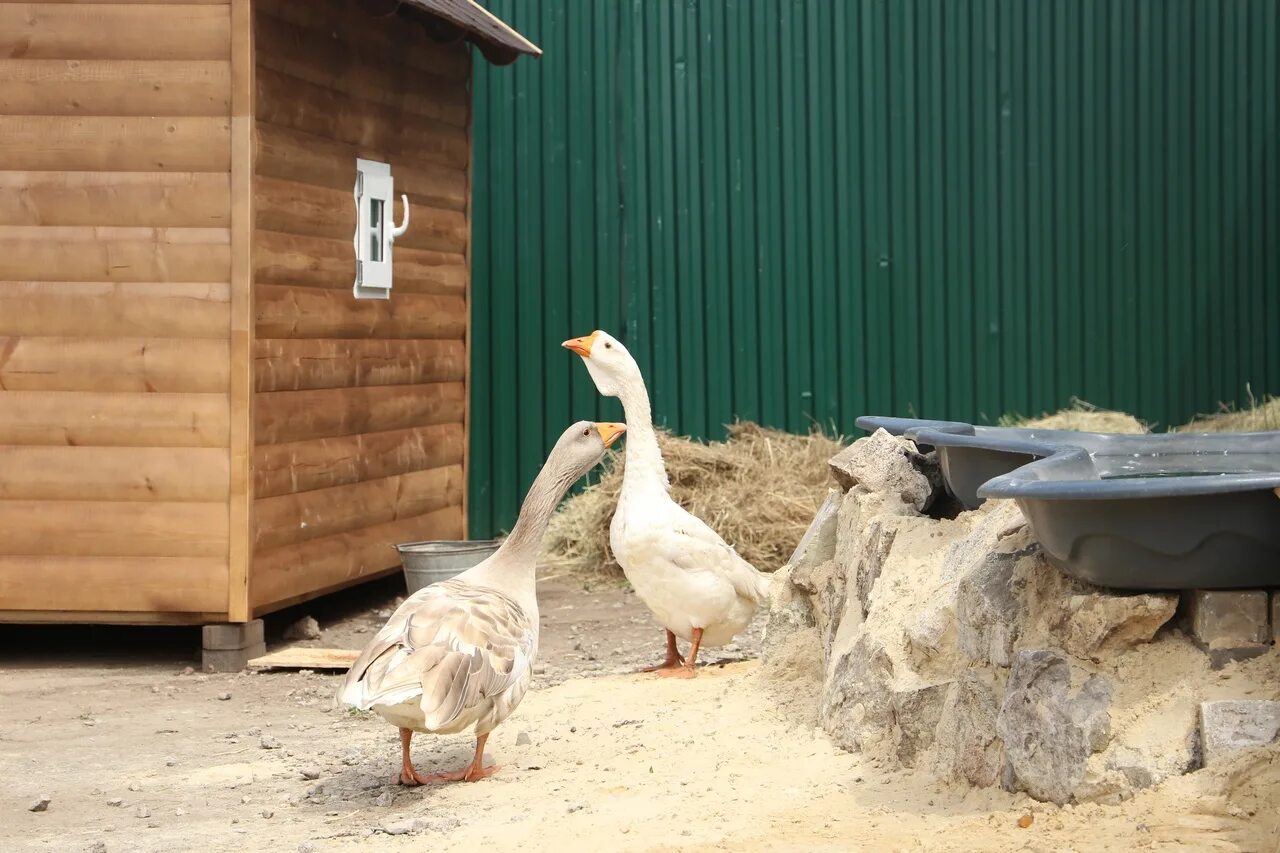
375, 234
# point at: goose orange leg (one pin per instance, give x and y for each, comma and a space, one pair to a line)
673, 659
690, 662
473, 772
407, 775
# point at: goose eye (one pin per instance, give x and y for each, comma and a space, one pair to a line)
587, 431
608, 345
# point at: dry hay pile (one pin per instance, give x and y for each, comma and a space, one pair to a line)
1085, 417
1259, 417
759, 490
1082, 417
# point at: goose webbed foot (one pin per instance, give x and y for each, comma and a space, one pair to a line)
685, 671
674, 660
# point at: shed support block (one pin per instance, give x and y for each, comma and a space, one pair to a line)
228, 647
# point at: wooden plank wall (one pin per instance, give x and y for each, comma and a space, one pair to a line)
114, 310
359, 405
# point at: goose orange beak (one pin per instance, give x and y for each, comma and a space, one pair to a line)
582, 346
609, 432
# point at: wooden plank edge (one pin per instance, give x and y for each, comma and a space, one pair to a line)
303, 657
466, 332
107, 617
240, 504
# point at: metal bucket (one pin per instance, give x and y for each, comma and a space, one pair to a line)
426, 563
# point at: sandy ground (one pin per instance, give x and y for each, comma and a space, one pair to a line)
138, 753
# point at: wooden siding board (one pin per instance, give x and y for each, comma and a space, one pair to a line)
319, 565
111, 528
295, 518
114, 87
197, 474
311, 364
66, 253
293, 259
157, 199
115, 31
300, 466
115, 143
107, 419
285, 416
308, 312
166, 365
74, 588
114, 309
297, 208
294, 155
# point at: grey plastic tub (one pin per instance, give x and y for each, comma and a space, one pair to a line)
426, 563
1163, 511
971, 455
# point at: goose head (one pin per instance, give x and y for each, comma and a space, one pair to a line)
608, 361
580, 447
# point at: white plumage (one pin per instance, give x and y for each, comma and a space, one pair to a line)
697, 586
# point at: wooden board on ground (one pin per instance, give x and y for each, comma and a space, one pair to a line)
298, 657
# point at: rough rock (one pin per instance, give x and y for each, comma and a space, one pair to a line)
523, 739
40, 805
868, 558
310, 772
863, 541
306, 628
889, 466
916, 713
1048, 733
864, 710
987, 609
98, 847
402, 827
790, 603
856, 707
819, 542
789, 611
967, 747
269, 742
809, 587
1230, 725
384, 799
1094, 622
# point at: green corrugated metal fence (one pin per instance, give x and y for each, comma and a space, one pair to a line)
799, 211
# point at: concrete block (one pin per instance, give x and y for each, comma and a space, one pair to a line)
1230, 725
231, 636
1229, 624
230, 660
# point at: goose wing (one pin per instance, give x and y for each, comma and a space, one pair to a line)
452, 644
689, 543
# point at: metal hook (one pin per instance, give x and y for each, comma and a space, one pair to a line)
397, 230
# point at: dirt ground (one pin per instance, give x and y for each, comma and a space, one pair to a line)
137, 752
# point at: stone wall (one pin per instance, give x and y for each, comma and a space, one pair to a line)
953, 646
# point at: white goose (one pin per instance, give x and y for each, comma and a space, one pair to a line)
459, 654
694, 582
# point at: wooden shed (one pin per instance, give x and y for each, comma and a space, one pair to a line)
200, 422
